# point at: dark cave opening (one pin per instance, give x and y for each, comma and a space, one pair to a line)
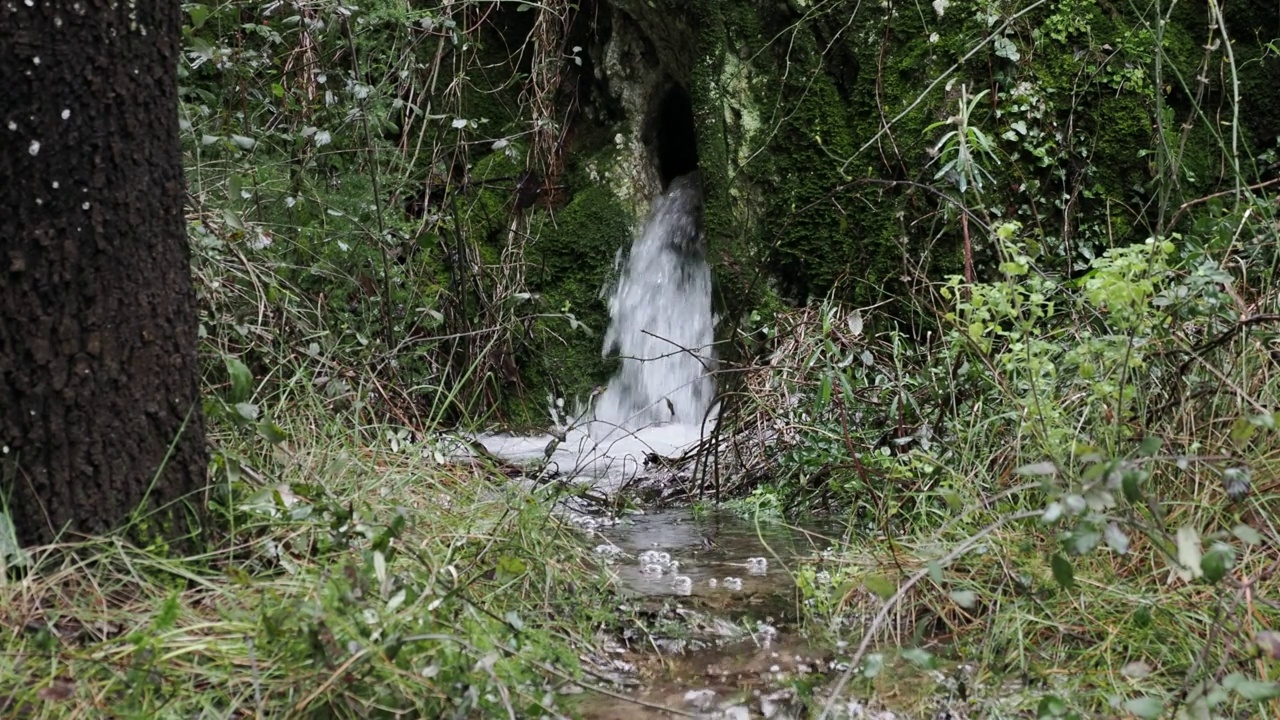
672, 136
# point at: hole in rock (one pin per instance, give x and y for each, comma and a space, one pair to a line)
672, 136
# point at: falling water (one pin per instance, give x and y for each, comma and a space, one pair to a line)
660, 325
661, 330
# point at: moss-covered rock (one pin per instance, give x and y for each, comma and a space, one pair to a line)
568, 264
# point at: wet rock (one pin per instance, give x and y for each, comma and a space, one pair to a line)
700, 700
777, 705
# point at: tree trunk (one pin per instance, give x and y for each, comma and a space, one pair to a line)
100, 418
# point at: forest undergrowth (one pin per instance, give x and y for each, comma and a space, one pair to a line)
346, 568
1056, 470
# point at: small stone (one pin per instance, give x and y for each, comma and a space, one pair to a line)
700, 700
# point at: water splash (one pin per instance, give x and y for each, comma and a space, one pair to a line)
661, 324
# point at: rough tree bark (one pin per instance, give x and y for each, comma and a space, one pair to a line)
99, 395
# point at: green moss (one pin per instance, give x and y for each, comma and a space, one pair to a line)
733, 234
772, 151
568, 264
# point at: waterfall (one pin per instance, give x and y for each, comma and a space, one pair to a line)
661, 330
660, 321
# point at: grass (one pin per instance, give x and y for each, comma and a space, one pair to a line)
1155, 594
361, 582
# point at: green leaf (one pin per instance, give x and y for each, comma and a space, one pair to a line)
241, 380
1242, 431
1099, 499
198, 13
1005, 48
509, 566
168, 614
248, 411
880, 585
935, 571
919, 657
272, 432
1247, 535
1142, 617
1116, 538
1051, 706
1145, 707
1257, 690
1217, 562
952, 499
233, 468
1189, 553
964, 598
1084, 538
872, 666
1038, 469
1131, 484
513, 619
1150, 446
231, 219
1062, 571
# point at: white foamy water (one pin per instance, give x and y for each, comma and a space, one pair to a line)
660, 322
662, 331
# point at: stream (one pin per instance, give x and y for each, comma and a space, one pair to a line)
726, 644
